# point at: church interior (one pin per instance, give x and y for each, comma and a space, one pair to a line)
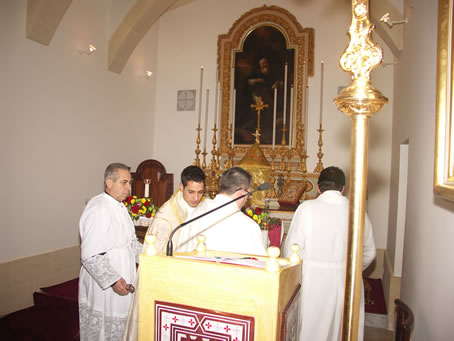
87, 83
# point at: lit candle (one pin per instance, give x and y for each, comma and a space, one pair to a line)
285, 92
233, 116
206, 122
322, 69
274, 115
291, 114
200, 94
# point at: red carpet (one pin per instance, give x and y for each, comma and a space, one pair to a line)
54, 317
374, 296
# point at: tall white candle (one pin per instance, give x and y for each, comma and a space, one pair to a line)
147, 190
216, 100
206, 121
306, 123
200, 94
274, 115
233, 116
322, 70
285, 92
290, 124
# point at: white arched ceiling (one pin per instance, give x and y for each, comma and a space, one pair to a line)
43, 18
131, 30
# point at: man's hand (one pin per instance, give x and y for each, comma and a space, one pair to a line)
120, 287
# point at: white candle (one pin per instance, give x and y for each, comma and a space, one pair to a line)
285, 92
147, 190
200, 94
233, 116
206, 122
306, 123
290, 124
216, 100
322, 69
274, 116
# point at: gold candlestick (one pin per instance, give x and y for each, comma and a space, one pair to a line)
230, 152
319, 166
284, 149
213, 162
197, 150
301, 150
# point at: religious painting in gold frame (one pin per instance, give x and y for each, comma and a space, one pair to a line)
444, 141
240, 51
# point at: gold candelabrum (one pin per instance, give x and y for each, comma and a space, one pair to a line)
319, 166
359, 101
282, 170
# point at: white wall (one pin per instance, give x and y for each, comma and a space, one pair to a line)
427, 276
64, 117
188, 39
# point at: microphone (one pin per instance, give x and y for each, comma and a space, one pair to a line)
169, 251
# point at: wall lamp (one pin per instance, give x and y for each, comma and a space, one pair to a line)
147, 75
386, 19
88, 51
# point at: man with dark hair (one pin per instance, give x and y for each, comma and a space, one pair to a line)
179, 207
109, 252
320, 227
227, 229
171, 214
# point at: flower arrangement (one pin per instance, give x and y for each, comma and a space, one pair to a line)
140, 207
262, 217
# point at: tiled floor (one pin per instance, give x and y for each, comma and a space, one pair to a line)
377, 334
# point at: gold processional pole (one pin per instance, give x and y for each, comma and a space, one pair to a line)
360, 101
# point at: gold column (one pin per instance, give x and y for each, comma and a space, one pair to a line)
359, 101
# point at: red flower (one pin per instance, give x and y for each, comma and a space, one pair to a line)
128, 200
148, 215
135, 208
258, 210
147, 204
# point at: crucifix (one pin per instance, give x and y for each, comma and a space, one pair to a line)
258, 106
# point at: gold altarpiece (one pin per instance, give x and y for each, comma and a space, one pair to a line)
281, 159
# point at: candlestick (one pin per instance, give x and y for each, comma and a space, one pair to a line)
200, 93
306, 122
285, 92
290, 124
206, 122
233, 116
322, 70
274, 116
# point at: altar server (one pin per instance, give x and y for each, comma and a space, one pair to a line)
109, 252
320, 227
227, 229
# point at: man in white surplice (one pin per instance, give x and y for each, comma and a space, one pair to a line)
109, 252
227, 229
320, 227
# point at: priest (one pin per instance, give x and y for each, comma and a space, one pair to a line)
109, 252
320, 227
171, 214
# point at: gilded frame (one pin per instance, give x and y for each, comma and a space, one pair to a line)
302, 40
444, 142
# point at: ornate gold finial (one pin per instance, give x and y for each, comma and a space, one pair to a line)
258, 106
360, 57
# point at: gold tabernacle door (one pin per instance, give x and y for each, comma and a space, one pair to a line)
218, 296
